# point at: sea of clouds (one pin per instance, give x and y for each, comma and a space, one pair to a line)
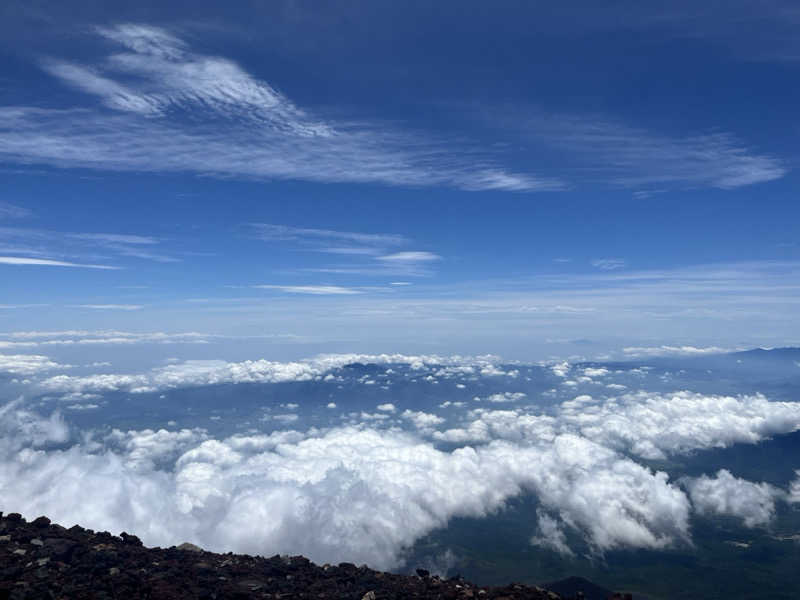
365, 488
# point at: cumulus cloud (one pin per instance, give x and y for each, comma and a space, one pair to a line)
346, 494
653, 425
211, 372
725, 494
27, 364
422, 420
506, 397
365, 491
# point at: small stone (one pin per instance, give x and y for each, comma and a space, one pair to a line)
20, 552
42, 561
37, 542
5, 538
368, 596
14, 517
113, 571
190, 547
423, 572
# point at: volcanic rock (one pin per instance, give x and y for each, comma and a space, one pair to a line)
78, 564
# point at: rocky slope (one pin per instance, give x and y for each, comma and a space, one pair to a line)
39, 559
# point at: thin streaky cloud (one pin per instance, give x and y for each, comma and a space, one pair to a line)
15, 306
114, 238
110, 306
316, 290
609, 264
20, 260
74, 244
12, 211
410, 257
603, 150
353, 251
270, 232
241, 127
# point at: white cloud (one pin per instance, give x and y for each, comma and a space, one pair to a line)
45, 262
111, 306
32, 339
27, 364
506, 397
422, 420
653, 425
631, 157
725, 494
241, 126
11, 211
211, 372
551, 534
387, 407
316, 290
410, 257
609, 264
78, 248
595, 371
578, 460
560, 369
794, 489
346, 494
271, 232
640, 351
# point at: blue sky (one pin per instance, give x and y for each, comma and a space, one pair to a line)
532, 181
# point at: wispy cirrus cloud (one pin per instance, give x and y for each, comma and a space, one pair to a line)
58, 246
240, 126
272, 232
607, 151
609, 264
410, 257
12, 211
316, 290
367, 253
632, 157
43, 262
110, 306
